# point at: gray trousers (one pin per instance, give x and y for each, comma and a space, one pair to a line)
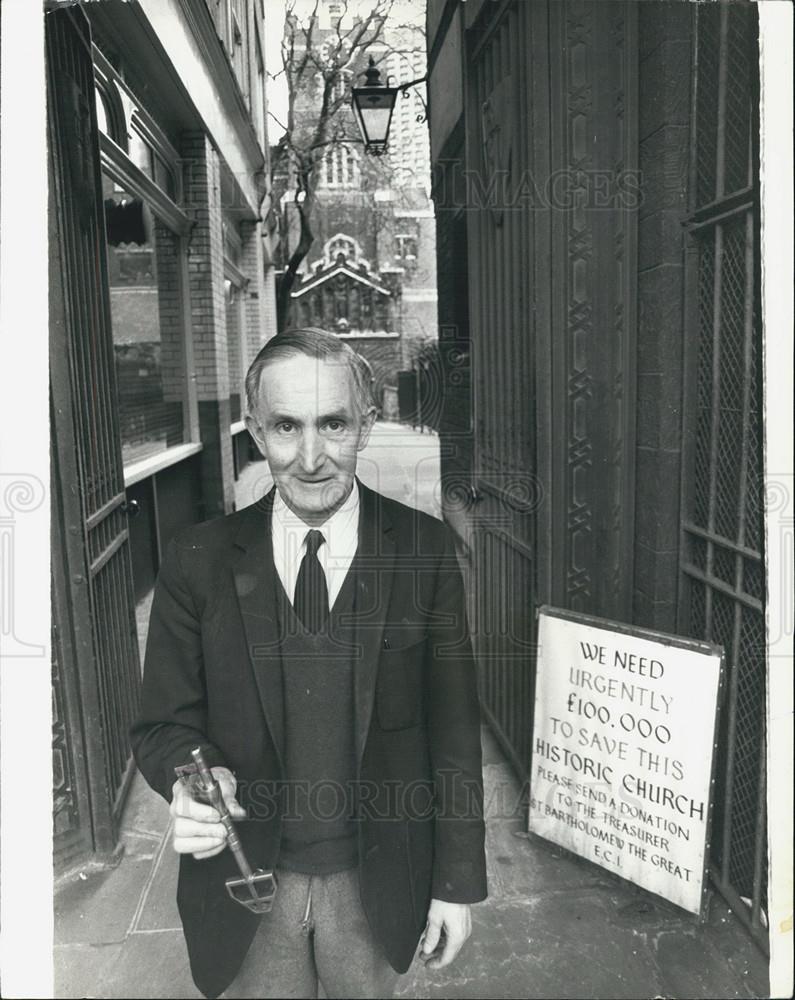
316, 935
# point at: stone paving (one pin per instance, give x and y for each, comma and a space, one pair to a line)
553, 926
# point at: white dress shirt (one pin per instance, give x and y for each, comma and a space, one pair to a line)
341, 534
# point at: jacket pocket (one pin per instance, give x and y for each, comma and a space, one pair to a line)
399, 687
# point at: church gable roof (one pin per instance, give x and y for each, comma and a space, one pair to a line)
341, 266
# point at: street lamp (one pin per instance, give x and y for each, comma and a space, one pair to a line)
373, 105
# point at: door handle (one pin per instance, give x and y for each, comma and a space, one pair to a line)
475, 496
131, 508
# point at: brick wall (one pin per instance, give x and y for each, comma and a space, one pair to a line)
169, 301
208, 320
270, 325
259, 307
205, 266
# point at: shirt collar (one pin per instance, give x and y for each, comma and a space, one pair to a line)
340, 530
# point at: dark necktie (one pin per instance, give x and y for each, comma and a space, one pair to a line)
311, 591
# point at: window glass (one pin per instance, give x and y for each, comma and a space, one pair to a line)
341, 167
102, 114
232, 242
146, 314
405, 246
141, 153
109, 122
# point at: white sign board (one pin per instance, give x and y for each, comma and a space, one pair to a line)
623, 743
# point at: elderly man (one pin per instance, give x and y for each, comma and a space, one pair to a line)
315, 646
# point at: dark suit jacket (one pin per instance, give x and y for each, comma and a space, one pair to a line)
213, 677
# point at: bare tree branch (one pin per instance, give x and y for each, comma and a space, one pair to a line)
321, 63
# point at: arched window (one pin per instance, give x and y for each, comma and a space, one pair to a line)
339, 243
344, 245
341, 167
341, 87
110, 113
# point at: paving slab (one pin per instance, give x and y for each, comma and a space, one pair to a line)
145, 812
490, 748
159, 910
733, 941
151, 965
524, 865
143, 846
691, 966
502, 793
98, 908
554, 925
548, 948
80, 969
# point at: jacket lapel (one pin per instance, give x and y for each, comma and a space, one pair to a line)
256, 584
376, 559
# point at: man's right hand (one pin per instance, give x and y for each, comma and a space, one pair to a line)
197, 827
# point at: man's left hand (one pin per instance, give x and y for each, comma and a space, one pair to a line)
448, 927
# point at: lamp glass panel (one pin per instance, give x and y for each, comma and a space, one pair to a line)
376, 123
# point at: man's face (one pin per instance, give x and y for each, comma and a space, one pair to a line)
308, 425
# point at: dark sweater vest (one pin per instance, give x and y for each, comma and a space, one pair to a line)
319, 832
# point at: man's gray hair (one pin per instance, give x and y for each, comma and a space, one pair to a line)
314, 343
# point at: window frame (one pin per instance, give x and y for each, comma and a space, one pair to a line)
343, 160
399, 239
118, 166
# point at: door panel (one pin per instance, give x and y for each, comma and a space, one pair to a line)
95, 603
501, 325
550, 143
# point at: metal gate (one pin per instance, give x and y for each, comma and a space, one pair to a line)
96, 679
722, 557
552, 336
501, 570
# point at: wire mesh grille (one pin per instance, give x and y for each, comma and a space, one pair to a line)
698, 552
698, 609
725, 572
719, 628
754, 514
724, 565
738, 90
753, 578
703, 421
707, 101
748, 750
729, 418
